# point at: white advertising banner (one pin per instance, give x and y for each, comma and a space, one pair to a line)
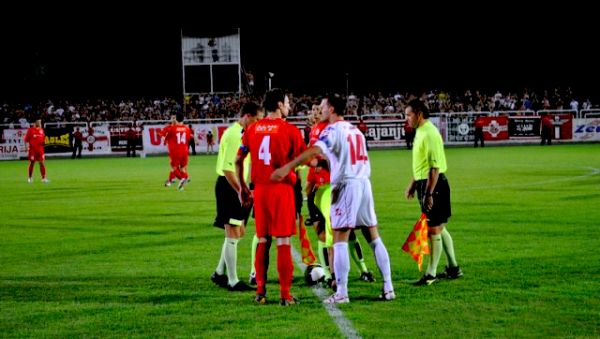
586, 129
15, 136
12, 144
9, 151
96, 140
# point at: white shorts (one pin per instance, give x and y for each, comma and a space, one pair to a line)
352, 204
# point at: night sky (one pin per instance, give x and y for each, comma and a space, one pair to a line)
134, 60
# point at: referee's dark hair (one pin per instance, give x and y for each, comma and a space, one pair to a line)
419, 106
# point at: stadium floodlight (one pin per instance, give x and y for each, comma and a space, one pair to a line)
271, 75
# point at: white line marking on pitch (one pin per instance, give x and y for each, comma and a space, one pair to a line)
593, 171
335, 313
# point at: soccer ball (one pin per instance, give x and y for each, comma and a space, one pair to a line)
314, 274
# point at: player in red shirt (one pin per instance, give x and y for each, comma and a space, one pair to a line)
271, 142
210, 143
177, 137
35, 140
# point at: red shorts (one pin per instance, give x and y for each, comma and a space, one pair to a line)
178, 160
36, 154
274, 210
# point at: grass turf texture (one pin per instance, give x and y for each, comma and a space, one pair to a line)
106, 250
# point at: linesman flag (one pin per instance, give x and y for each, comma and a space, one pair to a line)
308, 256
416, 245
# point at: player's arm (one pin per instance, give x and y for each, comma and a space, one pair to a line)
244, 193
232, 179
410, 189
27, 139
164, 133
432, 179
433, 154
281, 172
229, 164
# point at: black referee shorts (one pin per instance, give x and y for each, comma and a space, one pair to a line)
441, 210
229, 209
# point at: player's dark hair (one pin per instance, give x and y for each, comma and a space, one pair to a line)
323, 164
179, 117
272, 98
339, 104
419, 106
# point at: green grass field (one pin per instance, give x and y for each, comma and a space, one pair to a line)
105, 250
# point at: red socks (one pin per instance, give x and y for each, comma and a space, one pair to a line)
285, 267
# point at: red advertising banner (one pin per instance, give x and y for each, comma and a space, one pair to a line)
495, 128
563, 126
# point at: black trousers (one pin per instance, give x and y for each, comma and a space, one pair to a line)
479, 136
130, 148
77, 150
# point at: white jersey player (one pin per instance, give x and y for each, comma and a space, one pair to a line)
351, 199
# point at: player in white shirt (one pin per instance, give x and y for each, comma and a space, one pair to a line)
352, 202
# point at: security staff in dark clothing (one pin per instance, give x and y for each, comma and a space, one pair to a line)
131, 137
192, 143
479, 131
77, 143
547, 126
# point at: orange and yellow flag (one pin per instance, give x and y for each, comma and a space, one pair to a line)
416, 245
308, 256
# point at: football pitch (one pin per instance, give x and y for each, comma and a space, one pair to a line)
106, 250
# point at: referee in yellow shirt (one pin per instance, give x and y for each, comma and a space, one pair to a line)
433, 191
231, 215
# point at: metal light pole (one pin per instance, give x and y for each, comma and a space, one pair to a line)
347, 77
271, 75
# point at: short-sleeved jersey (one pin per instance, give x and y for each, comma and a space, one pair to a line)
177, 138
318, 178
428, 151
345, 147
130, 135
35, 137
479, 123
77, 137
316, 131
228, 149
272, 143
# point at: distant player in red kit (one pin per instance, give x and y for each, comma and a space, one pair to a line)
35, 139
177, 137
271, 142
210, 143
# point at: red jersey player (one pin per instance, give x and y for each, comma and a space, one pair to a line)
35, 139
272, 142
177, 137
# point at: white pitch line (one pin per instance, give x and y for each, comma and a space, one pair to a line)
593, 171
335, 313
